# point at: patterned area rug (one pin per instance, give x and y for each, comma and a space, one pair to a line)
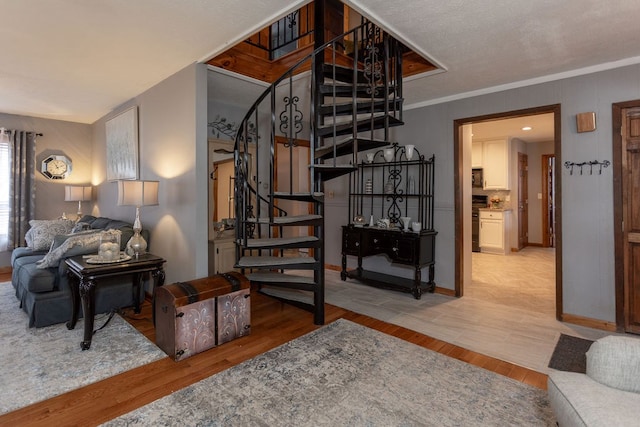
570, 354
38, 364
347, 374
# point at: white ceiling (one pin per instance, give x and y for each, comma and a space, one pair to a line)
541, 128
78, 60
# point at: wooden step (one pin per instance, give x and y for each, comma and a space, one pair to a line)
284, 243
362, 126
282, 280
276, 262
327, 172
345, 147
300, 197
343, 74
363, 91
362, 107
288, 220
290, 295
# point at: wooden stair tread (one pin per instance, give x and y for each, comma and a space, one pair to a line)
362, 126
275, 261
362, 107
287, 294
281, 242
327, 172
363, 90
284, 220
273, 277
346, 147
303, 197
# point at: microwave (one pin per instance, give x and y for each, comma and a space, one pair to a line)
476, 178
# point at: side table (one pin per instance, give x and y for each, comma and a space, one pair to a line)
84, 278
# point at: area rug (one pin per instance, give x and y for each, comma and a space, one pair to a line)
348, 374
570, 354
37, 364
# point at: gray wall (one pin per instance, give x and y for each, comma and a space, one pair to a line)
59, 137
173, 150
587, 200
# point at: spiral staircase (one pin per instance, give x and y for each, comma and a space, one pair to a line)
354, 98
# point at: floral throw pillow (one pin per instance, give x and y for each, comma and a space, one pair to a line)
41, 234
84, 242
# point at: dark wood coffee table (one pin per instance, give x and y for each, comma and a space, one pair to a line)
84, 278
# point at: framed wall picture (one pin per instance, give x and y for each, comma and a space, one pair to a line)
122, 145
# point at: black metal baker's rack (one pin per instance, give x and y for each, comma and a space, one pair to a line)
393, 187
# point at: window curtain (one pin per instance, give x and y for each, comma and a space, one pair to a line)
22, 186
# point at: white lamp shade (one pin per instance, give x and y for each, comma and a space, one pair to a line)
77, 193
138, 193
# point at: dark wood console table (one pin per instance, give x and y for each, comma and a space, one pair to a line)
393, 184
85, 277
401, 247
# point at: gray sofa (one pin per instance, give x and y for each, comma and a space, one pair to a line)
608, 394
39, 276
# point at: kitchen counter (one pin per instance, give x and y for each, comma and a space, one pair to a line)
495, 209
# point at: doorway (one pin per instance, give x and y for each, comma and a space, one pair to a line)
549, 198
523, 200
462, 168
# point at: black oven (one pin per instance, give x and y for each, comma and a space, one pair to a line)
476, 178
477, 201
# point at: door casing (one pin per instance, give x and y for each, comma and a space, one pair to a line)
460, 196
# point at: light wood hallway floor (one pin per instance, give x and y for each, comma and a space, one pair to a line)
508, 312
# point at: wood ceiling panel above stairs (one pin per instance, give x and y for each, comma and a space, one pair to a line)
249, 60
239, 60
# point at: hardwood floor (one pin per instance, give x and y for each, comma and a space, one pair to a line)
273, 324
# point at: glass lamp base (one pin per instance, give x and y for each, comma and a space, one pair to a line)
136, 245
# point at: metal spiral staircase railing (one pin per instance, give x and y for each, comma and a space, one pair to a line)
355, 96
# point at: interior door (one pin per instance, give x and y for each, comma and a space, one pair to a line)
548, 201
631, 216
523, 200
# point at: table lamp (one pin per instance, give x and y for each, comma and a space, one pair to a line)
137, 193
77, 193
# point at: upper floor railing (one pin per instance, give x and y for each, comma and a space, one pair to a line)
282, 36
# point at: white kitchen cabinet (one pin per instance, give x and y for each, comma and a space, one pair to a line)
495, 164
494, 231
222, 255
476, 154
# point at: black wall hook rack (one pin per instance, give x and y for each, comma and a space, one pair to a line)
591, 164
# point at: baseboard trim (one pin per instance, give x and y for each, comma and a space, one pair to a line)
6, 270
589, 322
332, 267
445, 291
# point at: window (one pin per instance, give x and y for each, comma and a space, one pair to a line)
4, 195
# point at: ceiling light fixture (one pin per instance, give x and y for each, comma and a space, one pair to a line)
526, 128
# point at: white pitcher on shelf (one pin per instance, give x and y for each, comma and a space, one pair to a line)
388, 154
408, 151
405, 222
